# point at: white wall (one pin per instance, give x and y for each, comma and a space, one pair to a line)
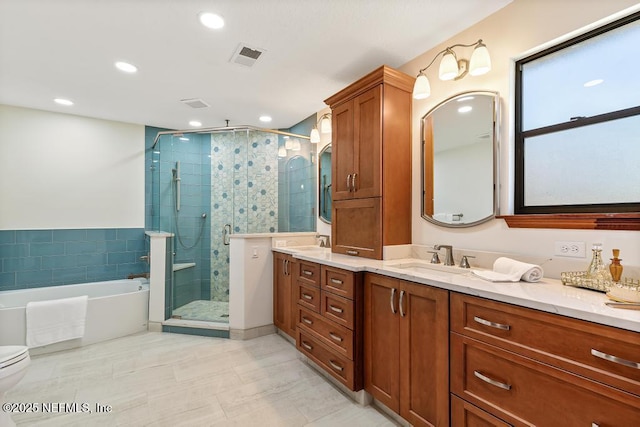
519, 27
60, 171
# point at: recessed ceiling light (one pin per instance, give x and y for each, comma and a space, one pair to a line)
595, 82
195, 123
211, 20
126, 67
63, 101
265, 119
465, 109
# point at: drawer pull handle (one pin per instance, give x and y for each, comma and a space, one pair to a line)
491, 324
307, 346
352, 252
307, 272
492, 382
336, 309
307, 321
615, 359
392, 300
335, 337
336, 366
307, 296
336, 281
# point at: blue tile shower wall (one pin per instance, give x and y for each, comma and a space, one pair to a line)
38, 258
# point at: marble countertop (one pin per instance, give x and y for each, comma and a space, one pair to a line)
548, 295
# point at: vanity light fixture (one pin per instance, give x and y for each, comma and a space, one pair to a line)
325, 127
452, 68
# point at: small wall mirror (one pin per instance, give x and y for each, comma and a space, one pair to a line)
324, 182
459, 160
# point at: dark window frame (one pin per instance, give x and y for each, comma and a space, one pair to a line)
520, 135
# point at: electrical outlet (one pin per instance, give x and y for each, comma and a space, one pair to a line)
570, 249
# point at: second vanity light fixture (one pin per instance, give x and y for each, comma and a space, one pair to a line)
325, 127
452, 68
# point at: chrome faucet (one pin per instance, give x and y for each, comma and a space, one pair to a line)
448, 253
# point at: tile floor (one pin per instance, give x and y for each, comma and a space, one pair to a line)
204, 310
163, 379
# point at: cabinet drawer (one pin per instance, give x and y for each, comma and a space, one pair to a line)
603, 353
338, 309
308, 296
464, 414
308, 272
338, 366
337, 281
334, 336
525, 392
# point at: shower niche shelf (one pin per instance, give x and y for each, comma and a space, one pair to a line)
183, 265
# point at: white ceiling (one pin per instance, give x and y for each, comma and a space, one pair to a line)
313, 48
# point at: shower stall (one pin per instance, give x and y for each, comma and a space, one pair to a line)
210, 184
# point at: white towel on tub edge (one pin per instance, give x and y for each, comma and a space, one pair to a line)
57, 320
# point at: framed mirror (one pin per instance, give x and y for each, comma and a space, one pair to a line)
460, 160
324, 184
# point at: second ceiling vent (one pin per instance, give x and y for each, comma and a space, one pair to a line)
245, 55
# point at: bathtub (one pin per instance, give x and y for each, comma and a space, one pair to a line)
116, 308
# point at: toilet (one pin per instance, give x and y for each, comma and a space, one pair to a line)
14, 361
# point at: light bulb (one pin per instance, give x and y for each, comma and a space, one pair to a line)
480, 62
448, 66
421, 88
315, 136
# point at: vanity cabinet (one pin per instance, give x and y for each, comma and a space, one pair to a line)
284, 301
330, 322
528, 367
406, 340
371, 163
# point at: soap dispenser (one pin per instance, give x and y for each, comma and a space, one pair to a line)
615, 268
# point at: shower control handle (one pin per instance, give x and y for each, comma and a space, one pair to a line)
146, 258
226, 231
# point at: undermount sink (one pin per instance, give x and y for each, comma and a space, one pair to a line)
426, 267
310, 248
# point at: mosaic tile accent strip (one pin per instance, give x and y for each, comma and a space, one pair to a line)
244, 189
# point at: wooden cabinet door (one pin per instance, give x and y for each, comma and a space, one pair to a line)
283, 303
382, 340
464, 414
342, 151
367, 145
424, 354
356, 227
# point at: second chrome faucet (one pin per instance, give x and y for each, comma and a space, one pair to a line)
448, 253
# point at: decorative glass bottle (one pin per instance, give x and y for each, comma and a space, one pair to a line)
615, 268
597, 270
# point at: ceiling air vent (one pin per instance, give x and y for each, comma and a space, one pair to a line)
195, 103
245, 55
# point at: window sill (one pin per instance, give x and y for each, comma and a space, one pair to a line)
612, 221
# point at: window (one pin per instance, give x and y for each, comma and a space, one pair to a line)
578, 124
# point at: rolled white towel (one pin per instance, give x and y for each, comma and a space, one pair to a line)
510, 270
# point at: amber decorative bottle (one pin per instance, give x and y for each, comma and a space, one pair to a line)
615, 268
